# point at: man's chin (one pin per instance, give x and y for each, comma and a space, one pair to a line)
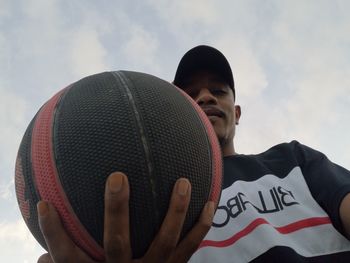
217, 132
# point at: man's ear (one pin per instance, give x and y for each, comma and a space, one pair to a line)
237, 113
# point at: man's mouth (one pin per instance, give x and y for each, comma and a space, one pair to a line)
213, 112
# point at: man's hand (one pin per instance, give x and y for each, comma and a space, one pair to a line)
165, 246
344, 212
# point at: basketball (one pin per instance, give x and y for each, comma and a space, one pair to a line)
122, 121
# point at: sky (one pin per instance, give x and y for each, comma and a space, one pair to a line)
290, 60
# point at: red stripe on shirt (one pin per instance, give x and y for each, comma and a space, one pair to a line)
305, 223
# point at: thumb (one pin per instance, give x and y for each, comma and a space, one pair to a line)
46, 258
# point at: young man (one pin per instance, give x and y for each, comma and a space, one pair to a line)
288, 204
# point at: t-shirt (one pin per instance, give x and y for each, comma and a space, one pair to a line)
279, 206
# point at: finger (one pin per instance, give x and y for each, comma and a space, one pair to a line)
45, 258
191, 242
116, 222
61, 247
169, 233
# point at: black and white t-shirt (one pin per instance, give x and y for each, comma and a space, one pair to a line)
279, 206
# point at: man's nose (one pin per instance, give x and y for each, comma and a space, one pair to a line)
205, 97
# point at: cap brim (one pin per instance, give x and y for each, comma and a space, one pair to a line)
203, 58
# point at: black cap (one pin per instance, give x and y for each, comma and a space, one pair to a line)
204, 58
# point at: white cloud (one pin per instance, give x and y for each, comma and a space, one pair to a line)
6, 190
5, 9
311, 57
181, 14
140, 49
40, 31
87, 53
311, 53
12, 119
17, 243
14, 231
247, 69
41, 9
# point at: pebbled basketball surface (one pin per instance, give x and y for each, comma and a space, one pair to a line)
116, 121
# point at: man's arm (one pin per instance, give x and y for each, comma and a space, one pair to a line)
344, 212
165, 246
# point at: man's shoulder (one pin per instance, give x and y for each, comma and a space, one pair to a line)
291, 146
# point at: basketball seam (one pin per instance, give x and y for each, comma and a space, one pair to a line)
212, 194
188, 98
72, 223
145, 142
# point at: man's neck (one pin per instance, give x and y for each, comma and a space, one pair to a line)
228, 149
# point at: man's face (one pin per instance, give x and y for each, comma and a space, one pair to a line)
216, 99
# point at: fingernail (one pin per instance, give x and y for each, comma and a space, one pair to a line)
42, 208
182, 187
115, 183
210, 208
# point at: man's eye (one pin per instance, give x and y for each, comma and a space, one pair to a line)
219, 91
192, 94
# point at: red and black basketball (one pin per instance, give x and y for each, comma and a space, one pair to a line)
116, 121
